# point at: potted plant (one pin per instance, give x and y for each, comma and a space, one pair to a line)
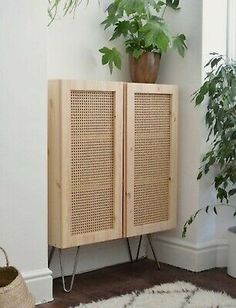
141, 23
220, 90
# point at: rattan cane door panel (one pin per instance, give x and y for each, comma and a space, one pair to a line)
92, 134
150, 181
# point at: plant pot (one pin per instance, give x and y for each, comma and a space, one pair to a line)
144, 69
232, 252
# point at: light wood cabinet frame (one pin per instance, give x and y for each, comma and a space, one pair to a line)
129, 228
59, 153
60, 181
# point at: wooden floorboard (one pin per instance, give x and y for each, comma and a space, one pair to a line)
124, 278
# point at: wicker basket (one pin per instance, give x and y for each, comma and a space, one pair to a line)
13, 290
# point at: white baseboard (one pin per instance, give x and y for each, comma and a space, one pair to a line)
39, 283
196, 258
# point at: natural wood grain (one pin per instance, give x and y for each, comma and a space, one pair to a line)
68, 139
173, 157
153, 93
61, 219
54, 164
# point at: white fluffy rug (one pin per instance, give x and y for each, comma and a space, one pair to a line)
170, 295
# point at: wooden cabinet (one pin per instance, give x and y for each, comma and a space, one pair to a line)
112, 160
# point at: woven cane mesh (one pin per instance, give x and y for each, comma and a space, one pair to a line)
152, 158
92, 159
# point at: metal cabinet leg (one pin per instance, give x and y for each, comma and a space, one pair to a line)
61, 267
51, 256
129, 249
153, 251
139, 245
74, 270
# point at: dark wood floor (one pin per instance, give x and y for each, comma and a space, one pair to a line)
121, 279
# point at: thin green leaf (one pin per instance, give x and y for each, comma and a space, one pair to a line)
199, 175
199, 99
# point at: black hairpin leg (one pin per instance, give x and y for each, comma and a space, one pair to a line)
129, 249
153, 251
51, 256
139, 245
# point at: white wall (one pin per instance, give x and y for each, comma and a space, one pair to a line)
23, 143
226, 218
231, 34
186, 73
214, 39
204, 23
73, 46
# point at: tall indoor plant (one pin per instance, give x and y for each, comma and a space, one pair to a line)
218, 92
142, 25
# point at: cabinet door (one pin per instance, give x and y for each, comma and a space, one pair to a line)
92, 136
150, 158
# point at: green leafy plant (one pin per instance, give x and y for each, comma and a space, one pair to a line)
68, 7
142, 24
220, 90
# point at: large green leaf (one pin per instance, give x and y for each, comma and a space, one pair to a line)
110, 21
156, 34
111, 57
133, 6
122, 28
113, 7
